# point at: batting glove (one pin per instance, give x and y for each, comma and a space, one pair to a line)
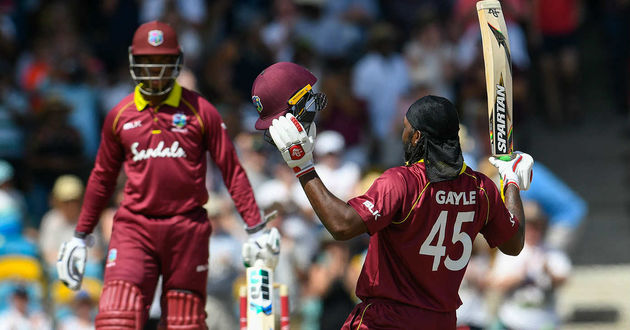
294, 143
71, 261
517, 170
262, 247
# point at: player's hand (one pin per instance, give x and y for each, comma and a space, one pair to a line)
263, 245
517, 170
71, 261
294, 143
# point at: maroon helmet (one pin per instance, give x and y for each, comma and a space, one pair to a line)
155, 38
286, 87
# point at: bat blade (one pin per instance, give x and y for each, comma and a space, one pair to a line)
260, 313
498, 68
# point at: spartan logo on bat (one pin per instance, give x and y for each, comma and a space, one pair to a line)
502, 41
494, 12
500, 114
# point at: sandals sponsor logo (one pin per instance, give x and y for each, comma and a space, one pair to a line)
174, 151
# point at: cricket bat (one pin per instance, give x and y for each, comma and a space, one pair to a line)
260, 314
498, 65
259, 296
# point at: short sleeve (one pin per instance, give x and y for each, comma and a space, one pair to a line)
382, 202
501, 225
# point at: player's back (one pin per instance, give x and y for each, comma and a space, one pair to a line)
420, 251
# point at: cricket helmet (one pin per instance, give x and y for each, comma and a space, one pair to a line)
286, 87
155, 38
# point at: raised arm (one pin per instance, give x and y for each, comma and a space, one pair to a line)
513, 203
296, 147
339, 218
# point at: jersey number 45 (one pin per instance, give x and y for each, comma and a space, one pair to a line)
439, 250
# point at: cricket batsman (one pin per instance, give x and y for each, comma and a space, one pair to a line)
422, 217
160, 134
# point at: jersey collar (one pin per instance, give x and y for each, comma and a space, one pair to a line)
460, 172
173, 97
463, 168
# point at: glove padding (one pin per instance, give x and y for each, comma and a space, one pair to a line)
71, 261
295, 144
263, 246
517, 171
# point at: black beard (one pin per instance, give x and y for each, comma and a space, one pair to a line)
413, 153
407, 147
408, 150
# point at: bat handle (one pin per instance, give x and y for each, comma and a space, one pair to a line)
505, 158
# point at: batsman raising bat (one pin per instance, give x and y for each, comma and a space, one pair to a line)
422, 217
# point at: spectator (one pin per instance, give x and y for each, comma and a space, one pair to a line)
15, 239
473, 313
430, 58
556, 26
381, 78
358, 12
83, 318
7, 187
329, 290
345, 113
277, 34
72, 73
564, 208
13, 116
529, 282
54, 148
58, 223
193, 11
251, 152
225, 258
18, 316
340, 176
328, 35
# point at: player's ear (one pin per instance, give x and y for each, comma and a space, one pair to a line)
416, 137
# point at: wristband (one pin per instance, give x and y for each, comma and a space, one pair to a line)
299, 172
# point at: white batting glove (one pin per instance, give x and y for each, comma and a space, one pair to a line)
517, 171
262, 246
294, 143
71, 261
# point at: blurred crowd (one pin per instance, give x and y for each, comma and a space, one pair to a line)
65, 64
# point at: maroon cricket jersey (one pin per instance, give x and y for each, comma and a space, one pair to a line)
422, 233
163, 150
